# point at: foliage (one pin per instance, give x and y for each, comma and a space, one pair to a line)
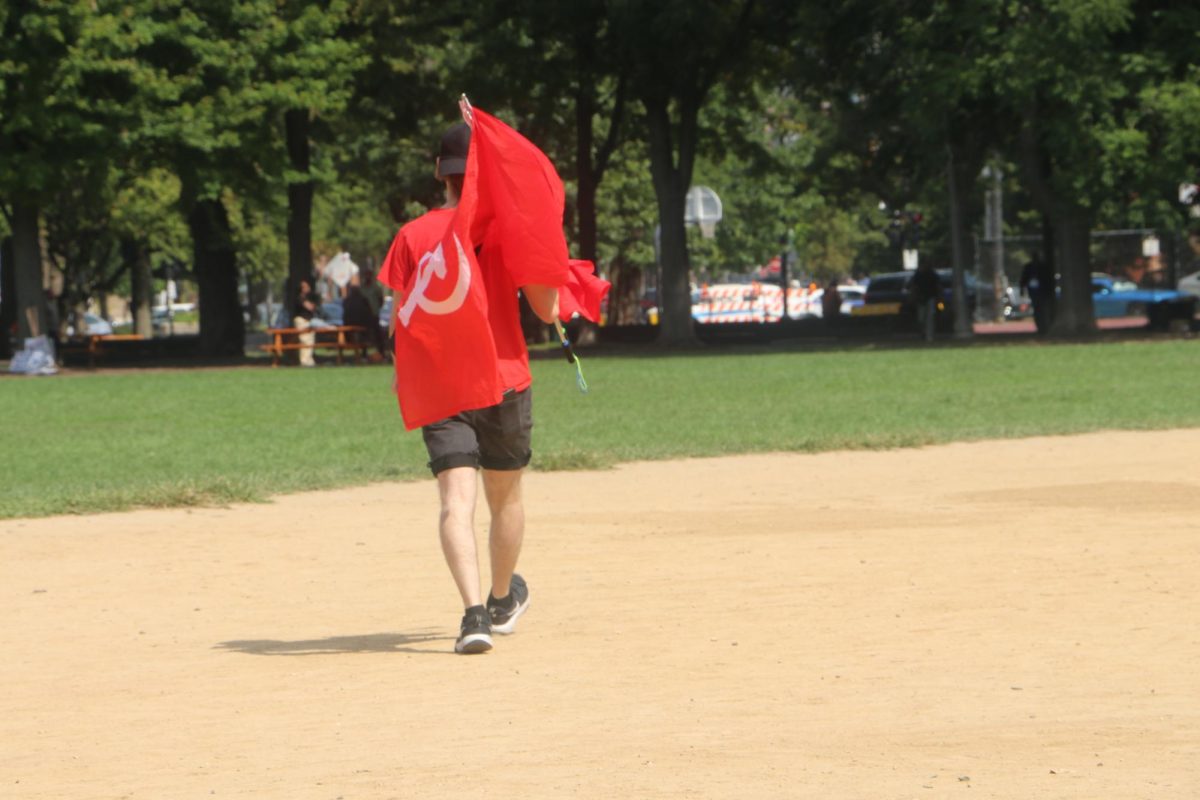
66, 79
626, 212
260, 242
115, 117
676, 53
403, 98
146, 209
762, 159
349, 216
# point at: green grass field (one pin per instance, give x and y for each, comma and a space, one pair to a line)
97, 442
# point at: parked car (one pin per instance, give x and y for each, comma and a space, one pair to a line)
888, 295
93, 325
1115, 297
852, 298
1190, 284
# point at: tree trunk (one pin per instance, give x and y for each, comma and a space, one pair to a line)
222, 330
586, 179
8, 296
671, 180
1074, 313
27, 267
586, 218
1067, 246
300, 202
956, 178
137, 260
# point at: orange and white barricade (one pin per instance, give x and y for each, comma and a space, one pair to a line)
746, 302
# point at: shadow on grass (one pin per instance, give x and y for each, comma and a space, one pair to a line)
334, 645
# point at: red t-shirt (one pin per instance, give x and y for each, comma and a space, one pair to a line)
422, 236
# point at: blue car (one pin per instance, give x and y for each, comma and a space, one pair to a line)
1115, 297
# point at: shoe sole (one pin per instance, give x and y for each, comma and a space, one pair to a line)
508, 627
473, 644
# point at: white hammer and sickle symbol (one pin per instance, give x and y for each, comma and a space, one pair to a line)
430, 266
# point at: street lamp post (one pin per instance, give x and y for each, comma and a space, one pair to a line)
993, 230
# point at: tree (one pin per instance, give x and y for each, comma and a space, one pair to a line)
1169, 97
577, 52
153, 235
626, 216
311, 69
1074, 74
403, 98
209, 118
914, 105
65, 81
676, 51
81, 241
762, 162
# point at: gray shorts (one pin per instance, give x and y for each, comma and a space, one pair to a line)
496, 437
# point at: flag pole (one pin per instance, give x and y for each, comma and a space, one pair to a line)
569, 352
468, 112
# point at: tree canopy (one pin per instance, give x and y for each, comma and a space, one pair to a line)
232, 139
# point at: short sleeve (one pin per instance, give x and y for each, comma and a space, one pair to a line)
396, 264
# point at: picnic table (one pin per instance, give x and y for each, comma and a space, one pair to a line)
331, 337
94, 344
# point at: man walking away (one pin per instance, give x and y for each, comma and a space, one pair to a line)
494, 440
1037, 280
926, 289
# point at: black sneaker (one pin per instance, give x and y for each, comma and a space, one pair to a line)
475, 636
504, 613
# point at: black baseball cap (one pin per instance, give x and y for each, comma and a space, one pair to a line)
452, 153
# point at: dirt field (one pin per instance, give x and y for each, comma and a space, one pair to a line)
1013, 619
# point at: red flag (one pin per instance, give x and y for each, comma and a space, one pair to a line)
582, 293
520, 213
445, 354
512, 206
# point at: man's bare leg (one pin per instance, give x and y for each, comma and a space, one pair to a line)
503, 491
456, 527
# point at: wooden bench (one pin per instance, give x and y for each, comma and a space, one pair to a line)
93, 344
333, 337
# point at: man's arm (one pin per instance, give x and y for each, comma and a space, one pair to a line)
543, 300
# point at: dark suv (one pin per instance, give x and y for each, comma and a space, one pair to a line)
888, 295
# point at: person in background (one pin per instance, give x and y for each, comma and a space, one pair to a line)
371, 290
356, 310
306, 304
831, 303
1037, 280
925, 289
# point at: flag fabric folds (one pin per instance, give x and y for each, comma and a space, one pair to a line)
519, 217
512, 206
582, 293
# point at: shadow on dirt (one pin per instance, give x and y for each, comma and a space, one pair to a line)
364, 643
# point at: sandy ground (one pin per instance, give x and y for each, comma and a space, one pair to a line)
1014, 619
